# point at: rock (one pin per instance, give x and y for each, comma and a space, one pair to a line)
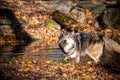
56, 25
96, 9
78, 15
66, 22
111, 18
5, 22
10, 28
60, 5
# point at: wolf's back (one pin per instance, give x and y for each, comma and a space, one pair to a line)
111, 45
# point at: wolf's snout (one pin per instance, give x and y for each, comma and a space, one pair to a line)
65, 41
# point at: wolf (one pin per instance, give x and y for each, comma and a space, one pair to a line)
74, 45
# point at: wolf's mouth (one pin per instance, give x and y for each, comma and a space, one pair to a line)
69, 48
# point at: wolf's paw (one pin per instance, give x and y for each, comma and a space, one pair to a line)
66, 58
97, 61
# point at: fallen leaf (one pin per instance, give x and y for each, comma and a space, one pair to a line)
17, 13
89, 21
29, 62
64, 75
23, 62
87, 77
48, 62
25, 69
89, 62
32, 22
24, 17
90, 69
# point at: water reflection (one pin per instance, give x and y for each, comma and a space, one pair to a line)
35, 51
38, 52
11, 30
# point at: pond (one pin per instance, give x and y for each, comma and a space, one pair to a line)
35, 51
39, 51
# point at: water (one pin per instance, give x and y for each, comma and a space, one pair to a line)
36, 51
39, 51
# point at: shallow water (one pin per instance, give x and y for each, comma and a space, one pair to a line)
38, 51
35, 51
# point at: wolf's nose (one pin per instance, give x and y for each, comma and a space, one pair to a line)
65, 41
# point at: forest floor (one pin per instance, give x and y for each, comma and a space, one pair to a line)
48, 70
35, 19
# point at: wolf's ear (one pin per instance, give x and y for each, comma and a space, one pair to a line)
62, 31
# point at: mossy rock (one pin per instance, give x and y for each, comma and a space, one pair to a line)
66, 22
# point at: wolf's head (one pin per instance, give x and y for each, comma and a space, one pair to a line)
67, 42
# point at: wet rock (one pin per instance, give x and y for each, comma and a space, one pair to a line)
5, 22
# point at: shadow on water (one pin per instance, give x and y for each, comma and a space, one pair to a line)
33, 52
18, 31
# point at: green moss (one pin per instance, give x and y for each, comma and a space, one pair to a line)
50, 47
66, 22
64, 19
49, 25
78, 28
64, 61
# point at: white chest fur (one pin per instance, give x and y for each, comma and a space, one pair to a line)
73, 55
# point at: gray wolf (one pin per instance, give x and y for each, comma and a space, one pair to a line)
74, 45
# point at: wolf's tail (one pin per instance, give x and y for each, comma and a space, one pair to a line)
111, 45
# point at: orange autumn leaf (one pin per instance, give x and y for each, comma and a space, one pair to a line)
48, 62
29, 62
89, 62
91, 69
54, 39
108, 30
22, 62
88, 11
24, 17
86, 30
17, 13
89, 21
88, 77
45, 17
32, 22
25, 69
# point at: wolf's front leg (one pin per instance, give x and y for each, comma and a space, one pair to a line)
77, 57
66, 58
